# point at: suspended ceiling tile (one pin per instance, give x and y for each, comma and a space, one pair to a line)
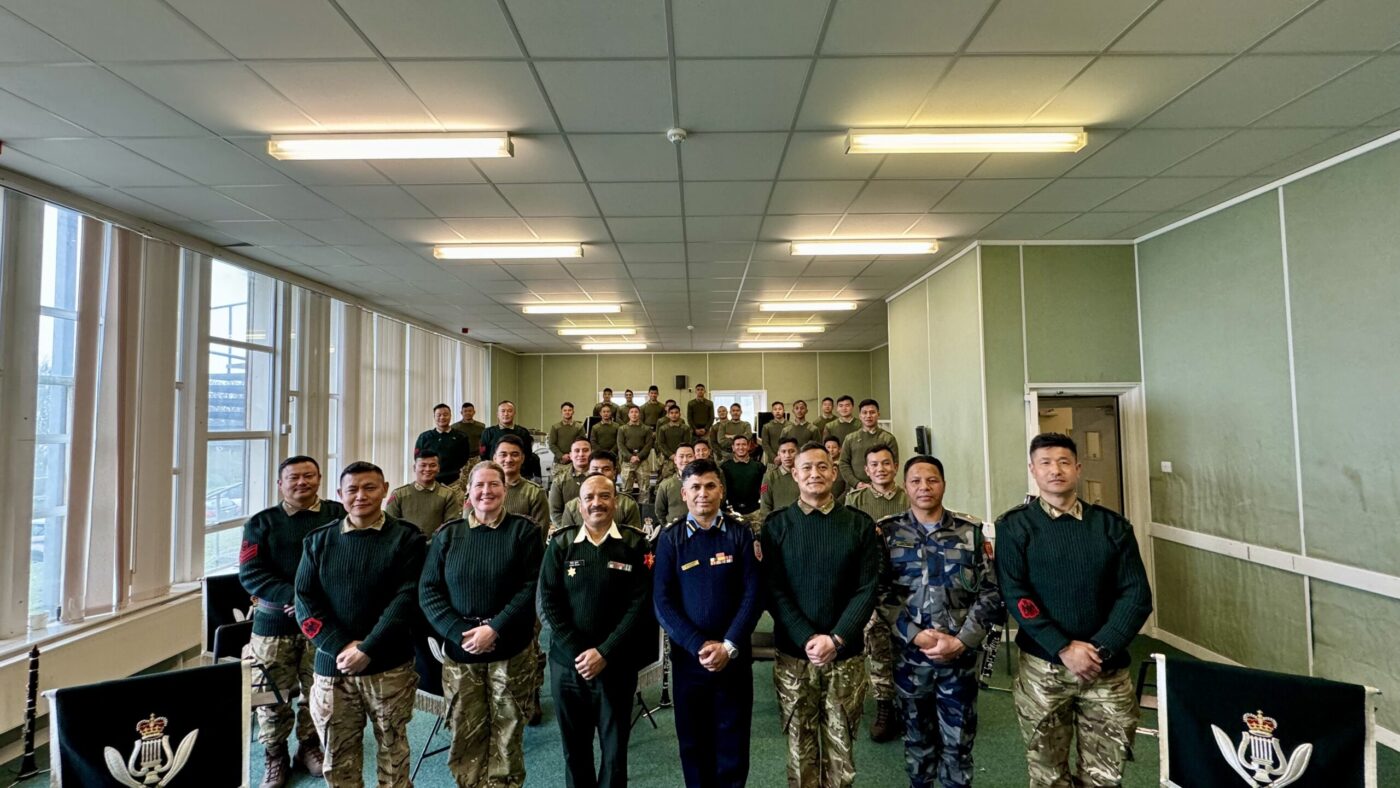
228, 98
724, 252
894, 26
340, 232
1322, 151
283, 202
625, 157
1093, 226
1250, 88
564, 28
1063, 26
718, 198
1340, 26
101, 161
501, 230
1227, 192
739, 95
434, 28
275, 28
951, 225
638, 97
1146, 152
550, 199
798, 227
1162, 194
817, 155
23, 163
415, 172
926, 165
20, 119
900, 196
653, 252
794, 197
207, 160
722, 228
1249, 150
1121, 90
721, 28
658, 229
542, 159
583, 230
1199, 26
1077, 194
130, 30
875, 225
728, 157
21, 42
96, 100
418, 231
460, 200
348, 95
375, 202
1352, 99
196, 202
479, 95
1024, 226
638, 199
868, 92
264, 233
997, 91
989, 195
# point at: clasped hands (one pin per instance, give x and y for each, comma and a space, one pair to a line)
939, 646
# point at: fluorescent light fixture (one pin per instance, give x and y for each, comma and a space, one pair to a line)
769, 345
430, 145
571, 309
861, 248
506, 251
807, 306
614, 346
966, 140
802, 329
601, 331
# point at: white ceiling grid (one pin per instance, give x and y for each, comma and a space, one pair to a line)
161, 108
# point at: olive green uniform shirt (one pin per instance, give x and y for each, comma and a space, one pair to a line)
768, 437
472, 430
616, 416
627, 513
700, 413
779, 489
653, 413
426, 507
852, 462
804, 431
528, 499
634, 439
562, 490
561, 436
669, 505
604, 436
839, 429
876, 505
730, 430
669, 437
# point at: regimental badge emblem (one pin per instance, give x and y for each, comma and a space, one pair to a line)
1259, 758
151, 762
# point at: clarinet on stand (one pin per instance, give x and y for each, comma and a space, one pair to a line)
989, 657
664, 701
27, 766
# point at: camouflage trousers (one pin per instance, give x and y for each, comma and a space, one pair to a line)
821, 709
486, 709
536, 672
1052, 706
638, 473
287, 660
339, 706
879, 657
940, 722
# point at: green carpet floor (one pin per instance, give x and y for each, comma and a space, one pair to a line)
999, 756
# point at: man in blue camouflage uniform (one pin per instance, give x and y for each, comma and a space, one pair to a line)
939, 594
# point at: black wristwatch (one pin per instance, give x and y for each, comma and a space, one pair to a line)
1105, 654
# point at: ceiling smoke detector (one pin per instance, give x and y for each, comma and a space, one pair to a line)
677, 135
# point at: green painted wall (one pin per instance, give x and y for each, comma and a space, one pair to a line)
1215, 350
567, 379
955, 366
910, 398
880, 376
1352, 642
846, 372
792, 376
529, 403
505, 381
1006, 379
1081, 314
1344, 276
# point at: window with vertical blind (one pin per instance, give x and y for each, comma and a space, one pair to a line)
127, 363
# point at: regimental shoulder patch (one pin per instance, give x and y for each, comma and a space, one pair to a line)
311, 627
649, 560
1028, 609
763, 488
248, 552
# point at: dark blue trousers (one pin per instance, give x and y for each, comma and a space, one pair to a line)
714, 716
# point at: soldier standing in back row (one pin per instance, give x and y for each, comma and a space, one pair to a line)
697, 413
771, 433
669, 505
853, 446
731, 429
844, 422
423, 501
940, 598
603, 434
652, 410
471, 429
561, 437
565, 486
670, 434
799, 429
634, 442
267, 568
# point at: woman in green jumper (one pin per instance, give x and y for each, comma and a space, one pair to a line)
478, 593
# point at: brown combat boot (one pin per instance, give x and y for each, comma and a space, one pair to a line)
310, 757
277, 766
887, 726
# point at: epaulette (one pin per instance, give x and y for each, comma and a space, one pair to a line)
1017, 508
629, 527
891, 517
970, 519
558, 532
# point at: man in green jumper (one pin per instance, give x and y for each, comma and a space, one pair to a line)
844, 422
1073, 579
523, 496
771, 433
357, 600
595, 595
267, 567
423, 501
448, 444
670, 506
799, 429
853, 446
743, 480
652, 410
478, 594
627, 511
779, 487
565, 486
606, 400
821, 564
604, 431
731, 429
883, 498
561, 437
471, 429
827, 414
698, 413
634, 442
670, 434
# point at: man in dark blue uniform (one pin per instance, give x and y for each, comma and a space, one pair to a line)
707, 599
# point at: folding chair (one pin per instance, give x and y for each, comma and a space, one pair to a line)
430, 695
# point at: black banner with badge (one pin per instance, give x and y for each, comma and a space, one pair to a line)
181, 728
1224, 725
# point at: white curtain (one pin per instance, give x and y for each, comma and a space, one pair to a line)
473, 369
390, 442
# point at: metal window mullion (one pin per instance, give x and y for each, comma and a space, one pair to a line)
237, 343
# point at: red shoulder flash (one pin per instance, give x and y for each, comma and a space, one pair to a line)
649, 560
762, 488
311, 627
248, 552
757, 550
1028, 609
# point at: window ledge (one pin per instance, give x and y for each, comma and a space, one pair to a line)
56, 632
